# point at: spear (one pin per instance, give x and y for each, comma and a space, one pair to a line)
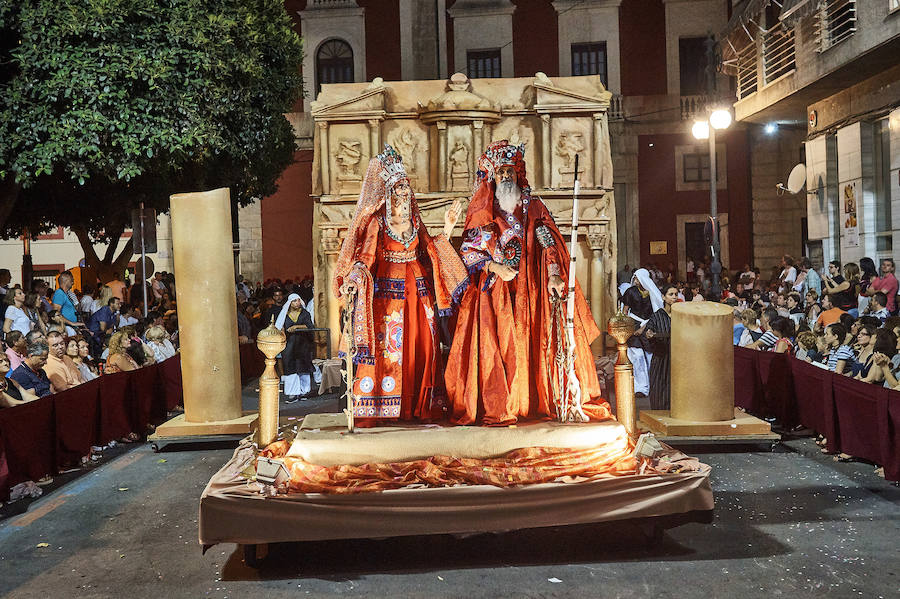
348, 357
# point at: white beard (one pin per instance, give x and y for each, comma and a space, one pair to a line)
509, 196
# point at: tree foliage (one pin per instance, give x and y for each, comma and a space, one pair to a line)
108, 103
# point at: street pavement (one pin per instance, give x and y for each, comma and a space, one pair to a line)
787, 523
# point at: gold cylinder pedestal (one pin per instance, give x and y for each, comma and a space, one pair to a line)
207, 318
271, 342
621, 328
702, 354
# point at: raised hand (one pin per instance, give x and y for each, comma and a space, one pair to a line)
556, 286
451, 216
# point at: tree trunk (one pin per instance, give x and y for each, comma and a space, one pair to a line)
108, 265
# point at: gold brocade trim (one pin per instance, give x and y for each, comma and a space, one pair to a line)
400, 257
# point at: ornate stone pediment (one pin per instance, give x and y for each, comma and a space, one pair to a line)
368, 104
459, 101
588, 94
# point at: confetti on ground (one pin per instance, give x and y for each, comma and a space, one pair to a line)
43, 544
554, 580
123, 488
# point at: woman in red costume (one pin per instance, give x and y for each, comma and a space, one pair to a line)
502, 360
400, 280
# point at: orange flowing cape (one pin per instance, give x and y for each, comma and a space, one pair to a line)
479, 363
529, 465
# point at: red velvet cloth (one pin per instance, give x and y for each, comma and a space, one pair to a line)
115, 406
142, 388
28, 432
777, 388
76, 411
857, 405
812, 390
170, 375
253, 361
747, 385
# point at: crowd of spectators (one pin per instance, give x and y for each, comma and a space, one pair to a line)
842, 317
54, 339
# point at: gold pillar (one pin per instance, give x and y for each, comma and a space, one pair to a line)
621, 328
207, 313
702, 350
546, 175
597, 239
478, 144
324, 157
271, 342
331, 247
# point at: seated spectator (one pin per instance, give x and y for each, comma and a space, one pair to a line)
840, 355
865, 346
781, 304
783, 329
73, 355
34, 310
158, 340
127, 316
16, 349
738, 327
86, 363
30, 375
768, 339
60, 369
11, 394
813, 309
752, 332
58, 323
119, 360
806, 347
756, 301
86, 302
794, 303
15, 318
103, 322
878, 306
888, 361
829, 314
102, 299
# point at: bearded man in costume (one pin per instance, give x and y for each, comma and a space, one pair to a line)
502, 360
400, 280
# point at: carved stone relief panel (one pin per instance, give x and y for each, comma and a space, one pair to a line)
570, 136
349, 148
521, 130
460, 159
410, 139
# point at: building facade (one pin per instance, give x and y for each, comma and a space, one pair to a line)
826, 71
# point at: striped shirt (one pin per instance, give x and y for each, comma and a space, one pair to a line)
842, 353
768, 340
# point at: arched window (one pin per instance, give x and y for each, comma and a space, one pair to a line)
334, 63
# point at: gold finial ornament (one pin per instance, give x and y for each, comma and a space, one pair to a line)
271, 341
621, 327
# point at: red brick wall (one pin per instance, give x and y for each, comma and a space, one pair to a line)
287, 222
660, 203
535, 38
382, 39
642, 47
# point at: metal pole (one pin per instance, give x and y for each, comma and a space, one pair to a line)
143, 262
716, 266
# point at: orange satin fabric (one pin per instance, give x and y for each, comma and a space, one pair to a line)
530, 465
501, 363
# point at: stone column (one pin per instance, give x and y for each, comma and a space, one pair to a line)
603, 168
374, 137
477, 144
324, 157
330, 242
204, 265
598, 239
442, 155
546, 175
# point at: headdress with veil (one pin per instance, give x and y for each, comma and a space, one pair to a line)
384, 172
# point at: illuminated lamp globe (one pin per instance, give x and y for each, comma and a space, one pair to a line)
720, 119
700, 130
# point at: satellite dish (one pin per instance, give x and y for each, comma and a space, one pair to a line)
797, 178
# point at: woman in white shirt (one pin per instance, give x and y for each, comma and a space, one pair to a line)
158, 340
16, 317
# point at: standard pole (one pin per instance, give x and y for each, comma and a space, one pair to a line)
143, 262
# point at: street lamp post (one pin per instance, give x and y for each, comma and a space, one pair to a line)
718, 119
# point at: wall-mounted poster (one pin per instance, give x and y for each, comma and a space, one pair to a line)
848, 202
658, 248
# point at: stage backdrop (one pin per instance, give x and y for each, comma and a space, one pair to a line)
441, 128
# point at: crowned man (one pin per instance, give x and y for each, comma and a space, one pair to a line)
503, 357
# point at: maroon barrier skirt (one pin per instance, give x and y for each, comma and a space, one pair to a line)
76, 418
29, 439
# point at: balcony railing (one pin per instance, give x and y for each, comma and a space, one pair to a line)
747, 65
778, 53
615, 108
835, 21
